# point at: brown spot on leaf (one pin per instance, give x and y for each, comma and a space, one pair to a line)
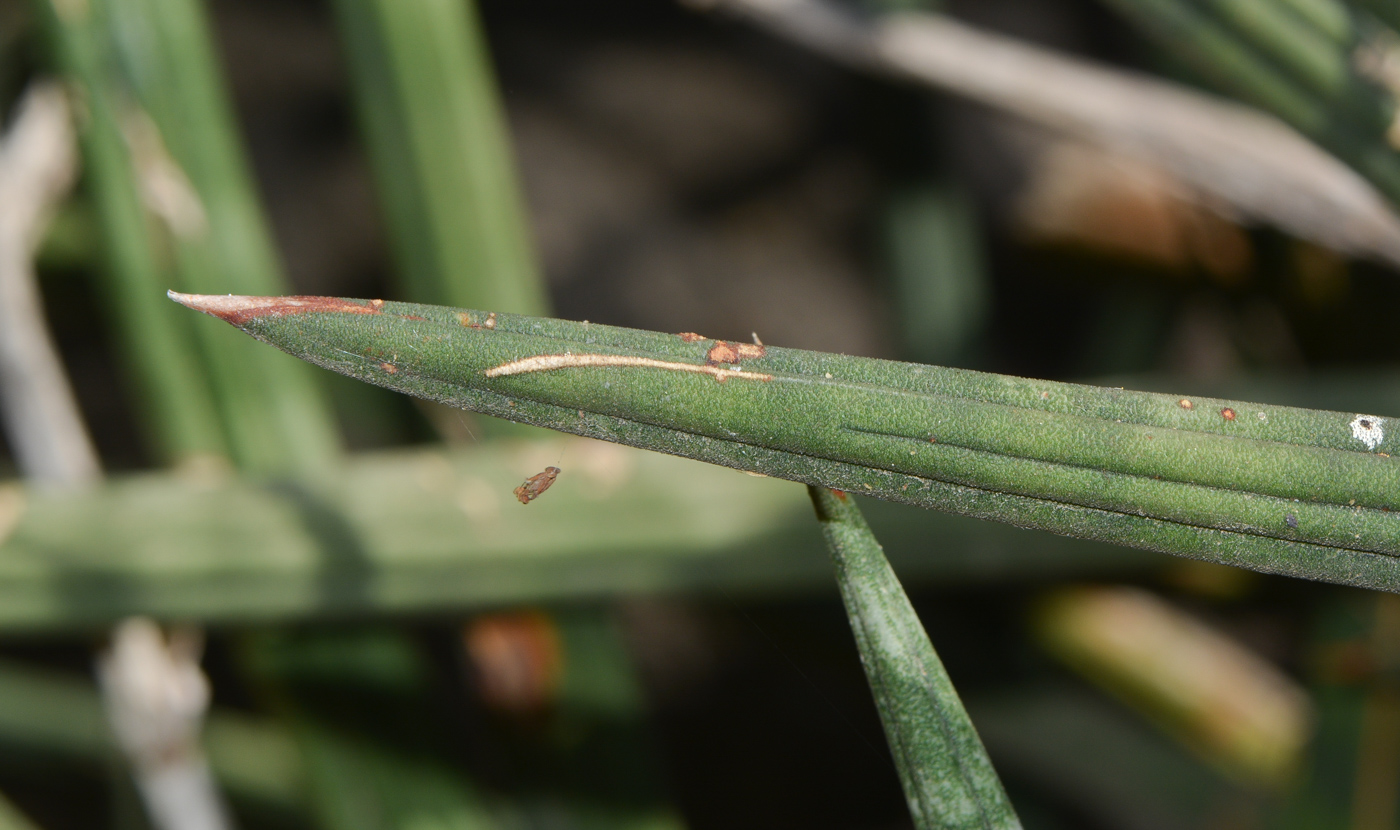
722, 352
725, 352
376, 303
1227, 413
239, 311
412, 317
389, 367
466, 320
691, 337
1186, 404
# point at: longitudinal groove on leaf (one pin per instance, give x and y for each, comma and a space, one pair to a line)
1287, 490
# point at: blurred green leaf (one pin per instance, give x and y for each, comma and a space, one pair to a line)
367, 788
188, 152
180, 420
47, 713
11, 818
934, 246
1065, 741
424, 530
1302, 60
441, 156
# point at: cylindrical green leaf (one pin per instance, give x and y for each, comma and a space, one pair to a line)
1295, 491
179, 415
1285, 58
186, 137
947, 777
437, 140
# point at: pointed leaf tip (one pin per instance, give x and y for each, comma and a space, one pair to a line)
238, 310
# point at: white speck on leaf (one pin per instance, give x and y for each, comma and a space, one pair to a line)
1368, 429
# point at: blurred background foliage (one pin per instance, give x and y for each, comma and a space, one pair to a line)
392, 642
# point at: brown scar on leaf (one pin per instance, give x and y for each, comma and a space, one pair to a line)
1227, 413
389, 367
1185, 403
725, 352
536, 484
411, 317
238, 310
466, 320
691, 337
550, 362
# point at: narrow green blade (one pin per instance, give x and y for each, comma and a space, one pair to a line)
947, 777
180, 419
437, 139
275, 418
1290, 62
12, 818
1301, 492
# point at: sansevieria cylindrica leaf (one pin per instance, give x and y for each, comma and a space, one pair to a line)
947, 777
1302, 492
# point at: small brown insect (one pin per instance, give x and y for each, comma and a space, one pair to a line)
536, 484
1227, 413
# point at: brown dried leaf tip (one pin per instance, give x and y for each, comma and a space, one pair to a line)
536, 484
241, 310
726, 352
